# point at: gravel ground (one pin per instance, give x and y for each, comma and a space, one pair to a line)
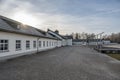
66, 63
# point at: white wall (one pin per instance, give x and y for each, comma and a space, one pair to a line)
53, 45
63, 42
95, 43
69, 42
85, 43
79, 43
59, 43
12, 37
106, 42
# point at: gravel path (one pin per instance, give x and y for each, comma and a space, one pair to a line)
66, 63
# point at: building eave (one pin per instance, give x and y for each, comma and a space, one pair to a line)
3, 30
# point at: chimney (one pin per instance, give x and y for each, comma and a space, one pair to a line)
48, 29
56, 31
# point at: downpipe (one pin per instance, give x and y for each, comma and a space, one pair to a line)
38, 44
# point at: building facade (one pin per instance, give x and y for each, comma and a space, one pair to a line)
17, 39
90, 42
65, 40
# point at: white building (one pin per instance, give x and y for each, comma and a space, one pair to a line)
66, 40
90, 42
17, 39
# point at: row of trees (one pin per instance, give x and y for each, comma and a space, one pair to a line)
83, 35
114, 37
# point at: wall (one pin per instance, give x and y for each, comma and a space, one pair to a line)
12, 44
85, 43
79, 43
69, 42
63, 42
59, 43
106, 42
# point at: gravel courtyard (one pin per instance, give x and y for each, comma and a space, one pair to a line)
66, 63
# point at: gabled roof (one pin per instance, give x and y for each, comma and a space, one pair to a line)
55, 34
46, 34
10, 25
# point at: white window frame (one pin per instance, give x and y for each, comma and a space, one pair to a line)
27, 44
47, 43
50, 43
43, 43
18, 45
4, 45
40, 44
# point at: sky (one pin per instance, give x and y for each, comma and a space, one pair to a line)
67, 16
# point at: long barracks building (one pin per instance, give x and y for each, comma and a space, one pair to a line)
17, 39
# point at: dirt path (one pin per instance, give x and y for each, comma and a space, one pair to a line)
66, 63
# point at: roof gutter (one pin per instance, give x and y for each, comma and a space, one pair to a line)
26, 34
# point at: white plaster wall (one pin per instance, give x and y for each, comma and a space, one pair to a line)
78, 43
64, 43
69, 42
49, 46
106, 42
59, 43
12, 37
95, 43
90, 43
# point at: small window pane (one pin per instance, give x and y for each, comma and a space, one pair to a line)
3, 45
27, 44
18, 44
39, 43
34, 44
6, 41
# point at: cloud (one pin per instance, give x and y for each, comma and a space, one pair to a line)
66, 16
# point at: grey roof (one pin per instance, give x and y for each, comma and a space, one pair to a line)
10, 25
56, 34
46, 34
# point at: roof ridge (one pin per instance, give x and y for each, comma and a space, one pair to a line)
6, 18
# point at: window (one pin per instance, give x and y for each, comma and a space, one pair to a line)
34, 44
43, 43
39, 43
27, 44
3, 45
50, 43
47, 43
18, 44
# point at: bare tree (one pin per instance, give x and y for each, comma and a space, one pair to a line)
114, 37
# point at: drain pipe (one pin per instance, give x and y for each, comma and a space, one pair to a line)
38, 44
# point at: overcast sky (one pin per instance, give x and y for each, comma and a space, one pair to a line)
67, 16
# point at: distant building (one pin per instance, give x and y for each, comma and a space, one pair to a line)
68, 40
65, 40
17, 39
90, 42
